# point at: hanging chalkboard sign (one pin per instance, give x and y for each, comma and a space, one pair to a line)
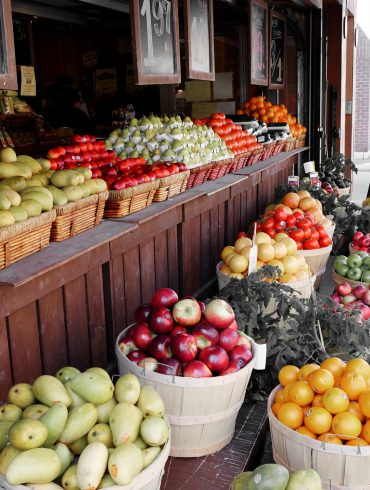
199, 39
277, 50
155, 39
258, 38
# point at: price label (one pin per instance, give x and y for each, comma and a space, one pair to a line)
309, 167
261, 139
293, 180
252, 259
314, 178
260, 354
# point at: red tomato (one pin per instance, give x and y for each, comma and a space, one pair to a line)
307, 233
279, 226
314, 234
321, 230
299, 245
291, 220
325, 241
304, 224
298, 215
310, 244
267, 224
297, 234
241, 234
271, 233
281, 214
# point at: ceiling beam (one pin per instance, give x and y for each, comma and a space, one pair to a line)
46, 12
109, 4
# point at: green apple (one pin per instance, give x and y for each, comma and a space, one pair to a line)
21, 395
366, 261
361, 253
365, 277
341, 269
341, 258
354, 261
354, 274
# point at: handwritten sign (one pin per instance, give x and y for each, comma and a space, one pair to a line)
277, 51
199, 39
28, 81
258, 30
155, 41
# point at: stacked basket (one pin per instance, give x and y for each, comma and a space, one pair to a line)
171, 186
128, 201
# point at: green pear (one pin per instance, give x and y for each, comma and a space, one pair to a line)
49, 390
21, 395
124, 422
54, 420
150, 454
67, 373
154, 431
98, 370
100, 433
27, 434
6, 457
150, 403
77, 400
34, 411
105, 409
140, 443
93, 387
127, 389
39, 465
124, 463
69, 479
106, 481
80, 420
10, 413
78, 445
65, 456
4, 432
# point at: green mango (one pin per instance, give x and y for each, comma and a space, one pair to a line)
78, 445
49, 390
106, 481
21, 395
10, 413
124, 463
6, 457
54, 420
69, 479
66, 373
27, 434
140, 443
100, 433
45, 164
65, 456
124, 422
127, 389
154, 431
80, 420
40, 465
150, 403
35, 412
150, 454
77, 400
93, 387
4, 431
105, 409
98, 370
44, 486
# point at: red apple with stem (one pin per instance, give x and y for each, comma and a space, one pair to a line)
344, 289
233, 326
178, 329
142, 312
228, 339
215, 358
149, 363
205, 335
142, 336
219, 313
359, 291
160, 348
242, 354
136, 356
164, 297
161, 320
184, 347
126, 345
366, 297
197, 369
171, 367
187, 312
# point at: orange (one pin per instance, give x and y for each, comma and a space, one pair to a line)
317, 401
275, 408
318, 420
354, 408
359, 366
321, 380
330, 438
279, 397
301, 393
334, 365
366, 431
335, 400
364, 403
291, 415
346, 425
357, 442
362, 431
353, 384
306, 370
286, 390
254, 100
305, 432
287, 374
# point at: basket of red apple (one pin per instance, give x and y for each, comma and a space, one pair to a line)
360, 243
353, 298
197, 360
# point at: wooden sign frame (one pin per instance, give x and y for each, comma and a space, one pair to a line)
8, 80
143, 78
190, 71
252, 42
277, 86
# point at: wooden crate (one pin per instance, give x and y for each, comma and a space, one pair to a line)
128, 201
171, 186
202, 412
340, 467
75, 217
22, 239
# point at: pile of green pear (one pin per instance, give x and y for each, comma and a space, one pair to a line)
78, 431
168, 139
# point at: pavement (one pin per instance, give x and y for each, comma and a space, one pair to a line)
361, 181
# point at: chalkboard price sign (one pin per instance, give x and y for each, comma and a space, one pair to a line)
199, 39
155, 38
277, 50
258, 37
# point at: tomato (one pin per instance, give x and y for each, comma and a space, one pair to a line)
268, 223
314, 234
307, 233
271, 233
241, 234
310, 244
325, 241
304, 223
281, 214
291, 220
321, 230
298, 215
297, 234
299, 245
279, 226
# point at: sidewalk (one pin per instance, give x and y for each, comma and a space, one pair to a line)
361, 181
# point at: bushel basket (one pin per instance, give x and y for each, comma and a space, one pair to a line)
128, 201
171, 186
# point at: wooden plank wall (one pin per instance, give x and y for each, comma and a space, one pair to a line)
73, 311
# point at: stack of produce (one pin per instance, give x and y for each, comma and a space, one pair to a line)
356, 267
330, 402
276, 477
114, 431
353, 298
168, 139
361, 242
280, 252
186, 337
332, 174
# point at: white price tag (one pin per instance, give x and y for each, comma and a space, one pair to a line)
260, 356
293, 180
309, 167
252, 259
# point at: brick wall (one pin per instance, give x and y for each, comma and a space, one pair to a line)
362, 116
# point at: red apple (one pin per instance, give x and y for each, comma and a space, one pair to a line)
142, 312
160, 348
241, 354
215, 358
244, 341
365, 242
233, 326
187, 312
161, 321
196, 369
164, 297
136, 356
357, 236
344, 289
336, 297
178, 329
131, 330
126, 344
233, 367
148, 363
219, 313
350, 298
365, 312
184, 347
205, 335
171, 367
359, 291
142, 336
202, 306
366, 297
228, 339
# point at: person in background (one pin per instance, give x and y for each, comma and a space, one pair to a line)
71, 112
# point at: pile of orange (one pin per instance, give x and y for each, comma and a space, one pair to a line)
265, 111
330, 402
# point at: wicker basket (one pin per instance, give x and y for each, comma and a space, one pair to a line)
239, 162
300, 141
199, 175
26, 238
278, 148
171, 186
255, 157
289, 144
267, 150
220, 168
337, 279
130, 200
75, 217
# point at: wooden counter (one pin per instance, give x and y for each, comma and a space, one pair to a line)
67, 303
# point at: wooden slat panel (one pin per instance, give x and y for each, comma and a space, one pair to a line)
205, 239
118, 298
131, 277
222, 226
5, 366
215, 245
77, 323
25, 346
147, 270
173, 259
96, 317
53, 332
161, 260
